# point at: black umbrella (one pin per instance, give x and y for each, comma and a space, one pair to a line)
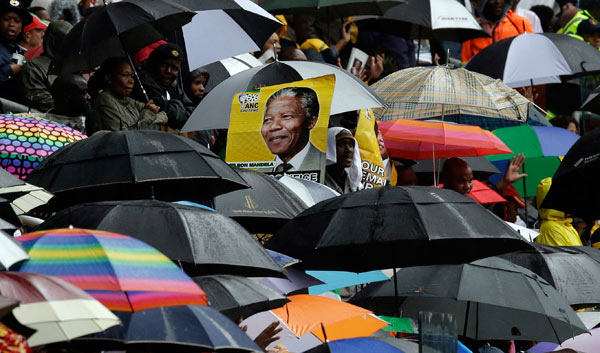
575, 187
592, 102
203, 242
330, 8
439, 19
264, 207
172, 329
135, 165
559, 57
394, 227
575, 274
490, 298
477, 164
238, 297
118, 29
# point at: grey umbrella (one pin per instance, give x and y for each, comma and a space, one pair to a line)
490, 298
349, 94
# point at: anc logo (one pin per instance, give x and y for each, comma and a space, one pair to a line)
175, 53
249, 101
14, 3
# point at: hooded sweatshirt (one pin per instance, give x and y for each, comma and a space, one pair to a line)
509, 25
556, 228
34, 81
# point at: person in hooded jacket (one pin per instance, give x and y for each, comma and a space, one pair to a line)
34, 81
556, 228
497, 18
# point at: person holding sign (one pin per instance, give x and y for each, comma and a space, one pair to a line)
290, 114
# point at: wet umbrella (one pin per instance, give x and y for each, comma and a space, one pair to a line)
355, 345
330, 8
349, 93
173, 329
592, 103
393, 227
7, 304
439, 19
123, 273
135, 165
221, 70
490, 298
586, 342
11, 251
201, 241
297, 282
238, 297
262, 208
451, 95
309, 191
575, 187
118, 29
25, 141
57, 310
575, 274
560, 57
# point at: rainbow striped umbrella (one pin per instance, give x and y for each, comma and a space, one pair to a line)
25, 140
123, 273
413, 139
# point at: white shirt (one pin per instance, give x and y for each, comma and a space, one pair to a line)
296, 161
536, 24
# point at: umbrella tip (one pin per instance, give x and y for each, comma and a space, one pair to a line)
70, 226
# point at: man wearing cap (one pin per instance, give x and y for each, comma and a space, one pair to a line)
589, 30
13, 17
159, 76
32, 37
571, 16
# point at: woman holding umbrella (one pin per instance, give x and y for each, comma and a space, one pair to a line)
113, 109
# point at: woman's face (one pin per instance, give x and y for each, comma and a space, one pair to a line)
120, 81
197, 86
11, 25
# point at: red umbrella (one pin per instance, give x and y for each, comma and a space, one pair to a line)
484, 194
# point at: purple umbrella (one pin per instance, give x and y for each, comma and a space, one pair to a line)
583, 343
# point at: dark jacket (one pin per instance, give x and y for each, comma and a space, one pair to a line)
8, 83
177, 106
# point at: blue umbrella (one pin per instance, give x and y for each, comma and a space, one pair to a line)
355, 345
339, 279
172, 327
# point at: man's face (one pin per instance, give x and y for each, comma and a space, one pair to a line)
168, 71
494, 9
344, 148
35, 37
285, 128
79, 97
197, 86
10, 25
460, 180
593, 39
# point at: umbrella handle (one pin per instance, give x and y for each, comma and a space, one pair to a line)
137, 77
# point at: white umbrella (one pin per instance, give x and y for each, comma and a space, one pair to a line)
526, 233
221, 70
308, 191
11, 251
218, 34
214, 111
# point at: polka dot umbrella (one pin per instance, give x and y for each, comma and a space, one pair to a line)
25, 140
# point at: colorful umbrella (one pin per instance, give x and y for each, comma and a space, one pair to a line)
410, 139
541, 145
454, 95
26, 140
123, 273
57, 310
484, 194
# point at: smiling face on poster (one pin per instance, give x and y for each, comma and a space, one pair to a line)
282, 129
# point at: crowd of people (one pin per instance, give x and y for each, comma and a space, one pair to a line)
154, 90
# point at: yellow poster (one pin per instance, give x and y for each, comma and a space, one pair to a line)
372, 165
282, 129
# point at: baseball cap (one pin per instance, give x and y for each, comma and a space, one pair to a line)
35, 24
588, 26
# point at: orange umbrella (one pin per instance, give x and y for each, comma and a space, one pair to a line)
484, 194
305, 313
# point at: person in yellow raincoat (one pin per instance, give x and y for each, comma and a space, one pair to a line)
556, 228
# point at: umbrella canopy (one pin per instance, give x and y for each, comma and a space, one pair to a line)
410, 139
586, 342
201, 241
309, 191
221, 70
57, 310
394, 227
175, 329
25, 141
123, 273
118, 29
541, 145
135, 165
7, 305
262, 208
477, 164
214, 111
575, 274
439, 19
331, 8
592, 103
355, 345
11, 251
238, 297
455, 95
490, 298
574, 185
484, 194
339, 279
297, 281
242, 28
560, 57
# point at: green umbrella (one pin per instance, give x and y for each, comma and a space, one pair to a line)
332, 8
399, 324
542, 147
